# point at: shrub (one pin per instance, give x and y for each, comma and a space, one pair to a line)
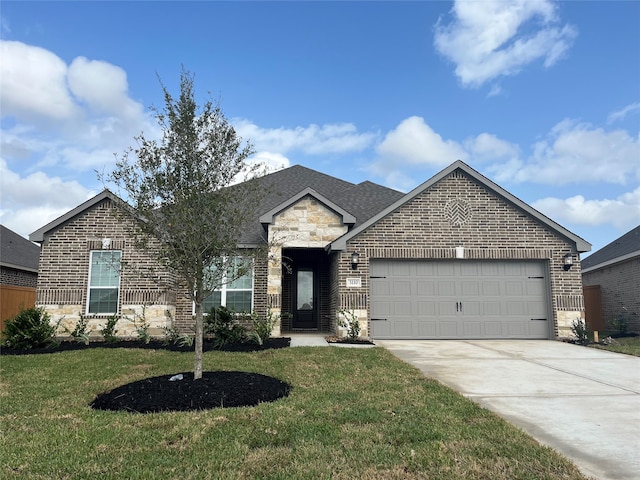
222, 325
141, 326
80, 332
109, 331
349, 320
31, 328
262, 327
621, 324
579, 329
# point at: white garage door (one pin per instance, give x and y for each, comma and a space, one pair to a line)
463, 299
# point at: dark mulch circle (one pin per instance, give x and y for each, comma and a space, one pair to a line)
213, 390
270, 343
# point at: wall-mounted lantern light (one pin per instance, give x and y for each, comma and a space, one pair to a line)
355, 259
567, 261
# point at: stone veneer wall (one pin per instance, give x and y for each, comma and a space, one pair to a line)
307, 224
454, 212
619, 287
64, 272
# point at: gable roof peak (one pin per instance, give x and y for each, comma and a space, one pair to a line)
581, 245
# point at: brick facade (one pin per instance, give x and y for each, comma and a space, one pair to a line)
620, 287
64, 274
456, 211
18, 278
485, 225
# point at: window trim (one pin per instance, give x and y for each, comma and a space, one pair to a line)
90, 288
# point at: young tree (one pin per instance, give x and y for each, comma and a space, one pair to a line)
183, 193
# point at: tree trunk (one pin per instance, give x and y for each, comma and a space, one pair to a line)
197, 369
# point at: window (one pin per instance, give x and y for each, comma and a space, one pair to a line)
104, 282
237, 295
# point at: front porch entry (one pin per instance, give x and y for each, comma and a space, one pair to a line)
305, 290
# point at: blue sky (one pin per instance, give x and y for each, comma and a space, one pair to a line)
542, 97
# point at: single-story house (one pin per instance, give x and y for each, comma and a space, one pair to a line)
18, 273
612, 276
457, 257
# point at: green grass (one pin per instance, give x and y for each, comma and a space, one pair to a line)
628, 345
352, 413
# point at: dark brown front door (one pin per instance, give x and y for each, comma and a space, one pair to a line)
305, 308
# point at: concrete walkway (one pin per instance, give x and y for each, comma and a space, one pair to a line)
583, 402
307, 340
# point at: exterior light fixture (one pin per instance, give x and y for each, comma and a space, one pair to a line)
567, 261
355, 259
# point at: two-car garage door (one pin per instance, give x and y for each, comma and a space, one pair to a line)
459, 299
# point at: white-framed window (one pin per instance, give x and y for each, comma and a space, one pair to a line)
236, 295
104, 282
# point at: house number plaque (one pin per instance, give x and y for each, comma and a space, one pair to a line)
354, 282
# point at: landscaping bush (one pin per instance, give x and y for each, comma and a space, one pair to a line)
221, 323
579, 329
349, 320
31, 328
262, 327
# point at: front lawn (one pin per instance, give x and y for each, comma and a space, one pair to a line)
351, 413
628, 345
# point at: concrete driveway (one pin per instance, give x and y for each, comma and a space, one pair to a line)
583, 402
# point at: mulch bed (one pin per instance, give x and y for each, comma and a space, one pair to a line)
153, 345
218, 389
347, 340
214, 390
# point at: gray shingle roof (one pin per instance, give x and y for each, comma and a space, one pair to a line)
626, 245
18, 252
362, 201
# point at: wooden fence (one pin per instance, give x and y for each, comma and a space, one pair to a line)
593, 307
13, 299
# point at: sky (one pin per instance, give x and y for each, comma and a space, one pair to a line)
542, 97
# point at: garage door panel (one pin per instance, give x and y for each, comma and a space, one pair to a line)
427, 328
448, 329
447, 288
401, 288
472, 329
425, 287
460, 299
491, 288
513, 288
425, 308
403, 328
401, 308
470, 288
493, 328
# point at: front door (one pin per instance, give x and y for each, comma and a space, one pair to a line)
305, 308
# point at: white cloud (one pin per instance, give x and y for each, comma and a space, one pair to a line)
75, 116
34, 200
575, 153
621, 114
33, 84
415, 142
486, 147
311, 140
622, 213
489, 39
103, 87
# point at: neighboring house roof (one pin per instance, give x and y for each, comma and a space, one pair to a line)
38, 235
18, 252
623, 248
581, 245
